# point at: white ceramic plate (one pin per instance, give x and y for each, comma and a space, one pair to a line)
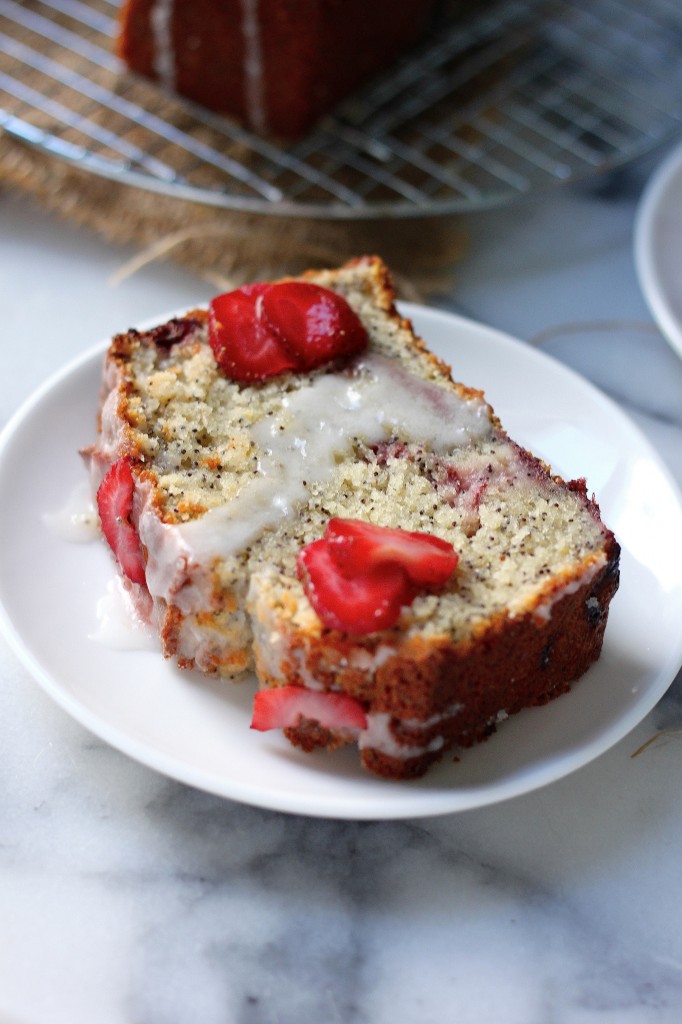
658, 247
197, 730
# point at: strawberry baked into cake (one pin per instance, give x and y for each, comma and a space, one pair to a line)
292, 484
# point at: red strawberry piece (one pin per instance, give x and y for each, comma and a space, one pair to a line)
246, 348
314, 323
285, 706
115, 504
357, 547
363, 603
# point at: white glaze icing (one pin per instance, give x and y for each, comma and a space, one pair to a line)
543, 610
77, 520
420, 410
254, 81
378, 736
161, 21
165, 68
120, 626
368, 661
112, 429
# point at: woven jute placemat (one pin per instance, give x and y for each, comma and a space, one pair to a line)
229, 247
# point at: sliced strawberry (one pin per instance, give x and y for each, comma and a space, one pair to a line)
357, 547
262, 330
245, 347
359, 576
285, 706
364, 603
115, 504
314, 323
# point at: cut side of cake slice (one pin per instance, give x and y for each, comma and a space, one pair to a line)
357, 527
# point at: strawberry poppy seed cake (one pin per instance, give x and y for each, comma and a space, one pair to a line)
275, 65
290, 482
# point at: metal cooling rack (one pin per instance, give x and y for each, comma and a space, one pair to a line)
503, 99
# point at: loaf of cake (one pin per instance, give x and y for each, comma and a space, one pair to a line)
275, 65
292, 483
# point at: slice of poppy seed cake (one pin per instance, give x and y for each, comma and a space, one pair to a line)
291, 481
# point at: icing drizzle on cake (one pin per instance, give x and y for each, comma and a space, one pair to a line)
165, 67
254, 98
374, 401
161, 19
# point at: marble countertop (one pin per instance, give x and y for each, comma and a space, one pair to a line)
128, 898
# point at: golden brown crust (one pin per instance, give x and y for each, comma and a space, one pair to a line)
512, 665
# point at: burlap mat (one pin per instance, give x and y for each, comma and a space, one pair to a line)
228, 247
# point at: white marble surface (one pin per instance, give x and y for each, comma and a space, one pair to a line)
126, 898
